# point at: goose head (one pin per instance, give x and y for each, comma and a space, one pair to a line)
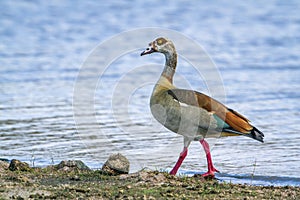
161, 45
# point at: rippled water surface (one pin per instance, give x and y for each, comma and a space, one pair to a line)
44, 45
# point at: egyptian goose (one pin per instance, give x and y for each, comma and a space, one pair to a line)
192, 114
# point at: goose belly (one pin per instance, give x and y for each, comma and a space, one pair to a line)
190, 121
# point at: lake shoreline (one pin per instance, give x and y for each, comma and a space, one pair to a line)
73, 182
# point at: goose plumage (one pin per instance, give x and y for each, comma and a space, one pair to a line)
192, 114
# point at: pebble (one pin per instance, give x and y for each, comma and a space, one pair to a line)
3, 166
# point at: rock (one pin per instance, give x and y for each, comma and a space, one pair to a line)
116, 164
3, 166
16, 165
69, 165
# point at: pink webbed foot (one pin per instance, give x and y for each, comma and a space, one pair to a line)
210, 173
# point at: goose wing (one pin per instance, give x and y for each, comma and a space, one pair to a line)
234, 122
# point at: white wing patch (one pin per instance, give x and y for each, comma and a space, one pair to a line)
181, 104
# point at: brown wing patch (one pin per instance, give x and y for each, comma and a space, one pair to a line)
237, 121
238, 114
231, 117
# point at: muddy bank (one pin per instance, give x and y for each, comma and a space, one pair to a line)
72, 180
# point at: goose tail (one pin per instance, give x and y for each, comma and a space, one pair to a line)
254, 133
257, 134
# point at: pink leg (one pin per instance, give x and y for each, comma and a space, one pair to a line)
179, 161
210, 166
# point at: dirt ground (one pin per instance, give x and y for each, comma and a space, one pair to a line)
73, 183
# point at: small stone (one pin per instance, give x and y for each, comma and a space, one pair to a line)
3, 166
69, 165
116, 164
16, 165
128, 186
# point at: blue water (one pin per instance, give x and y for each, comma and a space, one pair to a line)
44, 45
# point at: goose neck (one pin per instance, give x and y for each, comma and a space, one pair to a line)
170, 66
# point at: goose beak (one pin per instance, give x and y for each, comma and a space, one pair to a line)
149, 50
